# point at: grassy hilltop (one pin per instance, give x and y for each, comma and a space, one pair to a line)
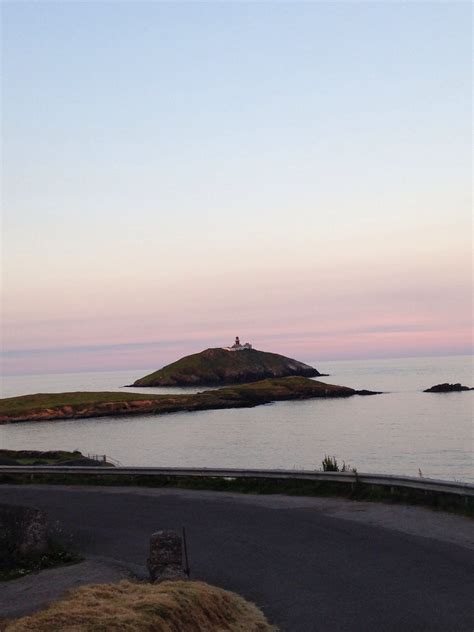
220, 366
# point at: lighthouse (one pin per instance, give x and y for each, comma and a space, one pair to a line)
238, 347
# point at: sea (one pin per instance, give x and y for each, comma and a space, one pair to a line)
402, 431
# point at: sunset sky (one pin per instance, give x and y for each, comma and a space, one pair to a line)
176, 174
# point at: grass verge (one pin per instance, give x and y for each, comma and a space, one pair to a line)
290, 487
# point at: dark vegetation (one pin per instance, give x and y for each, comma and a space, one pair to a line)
330, 464
51, 457
57, 555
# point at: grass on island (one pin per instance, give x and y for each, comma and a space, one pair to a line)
195, 364
282, 386
43, 401
270, 389
134, 607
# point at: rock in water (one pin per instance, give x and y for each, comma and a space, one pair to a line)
223, 366
447, 388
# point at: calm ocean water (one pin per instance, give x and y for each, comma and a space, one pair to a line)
402, 431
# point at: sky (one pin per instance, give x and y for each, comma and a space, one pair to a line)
176, 174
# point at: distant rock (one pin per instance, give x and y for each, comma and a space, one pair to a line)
447, 388
364, 391
222, 366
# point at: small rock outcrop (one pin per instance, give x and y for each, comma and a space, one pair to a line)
447, 388
166, 557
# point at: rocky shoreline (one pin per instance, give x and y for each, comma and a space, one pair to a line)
62, 406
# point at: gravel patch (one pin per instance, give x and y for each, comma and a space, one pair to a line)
28, 594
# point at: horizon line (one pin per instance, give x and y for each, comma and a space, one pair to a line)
325, 360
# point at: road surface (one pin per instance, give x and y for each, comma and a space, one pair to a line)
312, 565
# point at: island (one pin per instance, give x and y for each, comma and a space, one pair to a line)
447, 388
81, 405
227, 365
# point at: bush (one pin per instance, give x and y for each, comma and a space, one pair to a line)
330, 464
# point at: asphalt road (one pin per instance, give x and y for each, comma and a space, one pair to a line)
308, 569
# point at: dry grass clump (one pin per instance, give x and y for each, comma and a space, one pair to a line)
136, 607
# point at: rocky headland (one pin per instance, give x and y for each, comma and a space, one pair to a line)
45, 407
220, 366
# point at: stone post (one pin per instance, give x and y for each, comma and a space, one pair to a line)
166, 557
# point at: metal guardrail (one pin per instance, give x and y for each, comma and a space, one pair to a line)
421, 484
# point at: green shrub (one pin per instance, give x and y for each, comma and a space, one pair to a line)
330, 464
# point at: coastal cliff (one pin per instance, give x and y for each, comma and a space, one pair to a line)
223, 366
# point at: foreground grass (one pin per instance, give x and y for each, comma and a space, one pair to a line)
134, 607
